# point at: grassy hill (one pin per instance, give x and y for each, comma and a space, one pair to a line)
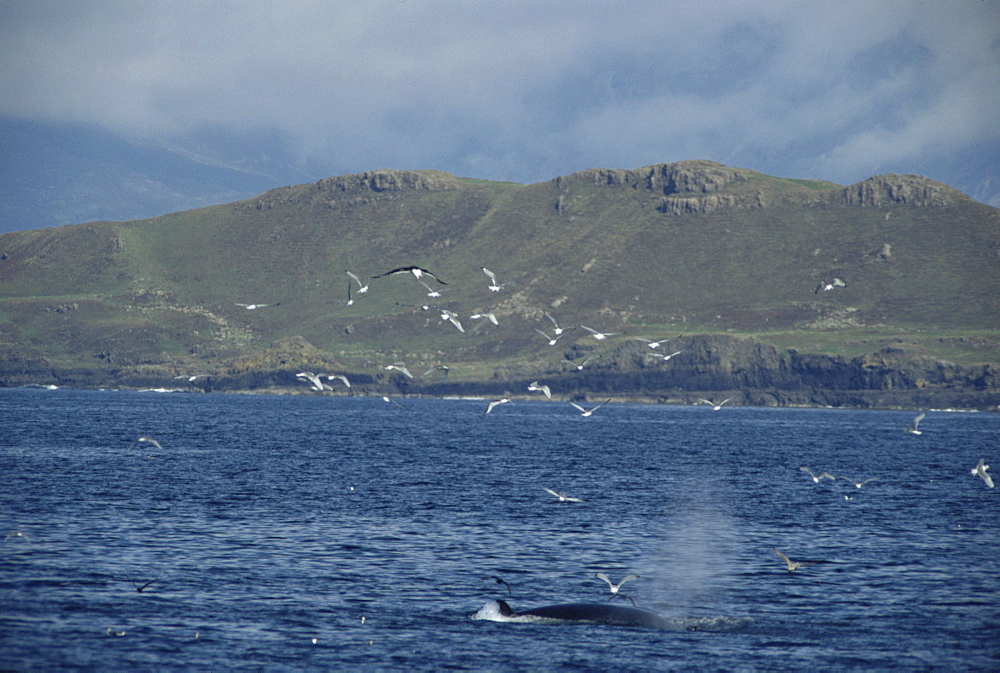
684, 248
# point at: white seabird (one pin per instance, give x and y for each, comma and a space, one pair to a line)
792, 565
339, 377
431, 292
588, 412
442, 368
494, 286
254, 307
552, 340
715, 407
655, 344
663, 356
857, 484
314, 379
452, 317
817, 477
600, 336
827, 287
911, 429
616, 587
580, 365
388, 399
17, 533
564, 498
150, 440
980, 471
488, 315
496, 403
190, 377
400, 368
533, 386
362, 288
557, 330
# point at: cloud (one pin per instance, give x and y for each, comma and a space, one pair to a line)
523, 90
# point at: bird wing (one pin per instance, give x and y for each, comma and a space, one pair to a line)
605, 578
628, 578
489, 273
783, 557
578, 407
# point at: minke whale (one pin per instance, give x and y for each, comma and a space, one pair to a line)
599, 613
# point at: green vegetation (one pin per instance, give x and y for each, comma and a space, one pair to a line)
688, 248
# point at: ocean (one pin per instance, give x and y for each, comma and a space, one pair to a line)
326, 533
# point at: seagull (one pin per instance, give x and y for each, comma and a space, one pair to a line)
857, 484
495, 403
350, 298
715, 407
826, 287
444, 372
341, 377
17, 533
190, 378
415, 270
533, 386
494, 287
615, 587
388, 399
588, 412
600, 336
580, 365
664, 357
431, 292
254, 307
138, 588
980, 471
452, 317
817, 477
489, 316
111, 632
498, 581
314, 379
655, 344
792, 565
911, 429
564, 498
402, 369
362, 288
552, 340
151, 441
557, 330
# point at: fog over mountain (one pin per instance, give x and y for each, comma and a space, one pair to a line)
121, 110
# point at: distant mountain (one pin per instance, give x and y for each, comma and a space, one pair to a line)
683, 250
58, 174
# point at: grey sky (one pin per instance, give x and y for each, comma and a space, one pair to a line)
526, 91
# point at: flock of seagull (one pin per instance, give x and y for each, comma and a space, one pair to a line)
356, 287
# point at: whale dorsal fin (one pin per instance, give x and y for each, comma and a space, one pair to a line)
505, 609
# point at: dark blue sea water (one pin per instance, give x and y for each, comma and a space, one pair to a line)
291, 533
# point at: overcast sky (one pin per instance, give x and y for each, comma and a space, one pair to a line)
526, 91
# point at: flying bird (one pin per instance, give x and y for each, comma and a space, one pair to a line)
600, 336
496, 403
588, 412
362, 288
494, 286
139, 588
615, 587
431, 292
857, 484
489, 316
191, 378
452, 317
826, 287
150, 440
254, 307
17, 533
339, 377
911, 429
580, 365
980, 471
533, 386
655, 344
314, 379
444, 372
557, 330
400, 368
564, 498
552, 340
664, 356
388, 399
817, 477
792, 565
715, 407
415, 270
